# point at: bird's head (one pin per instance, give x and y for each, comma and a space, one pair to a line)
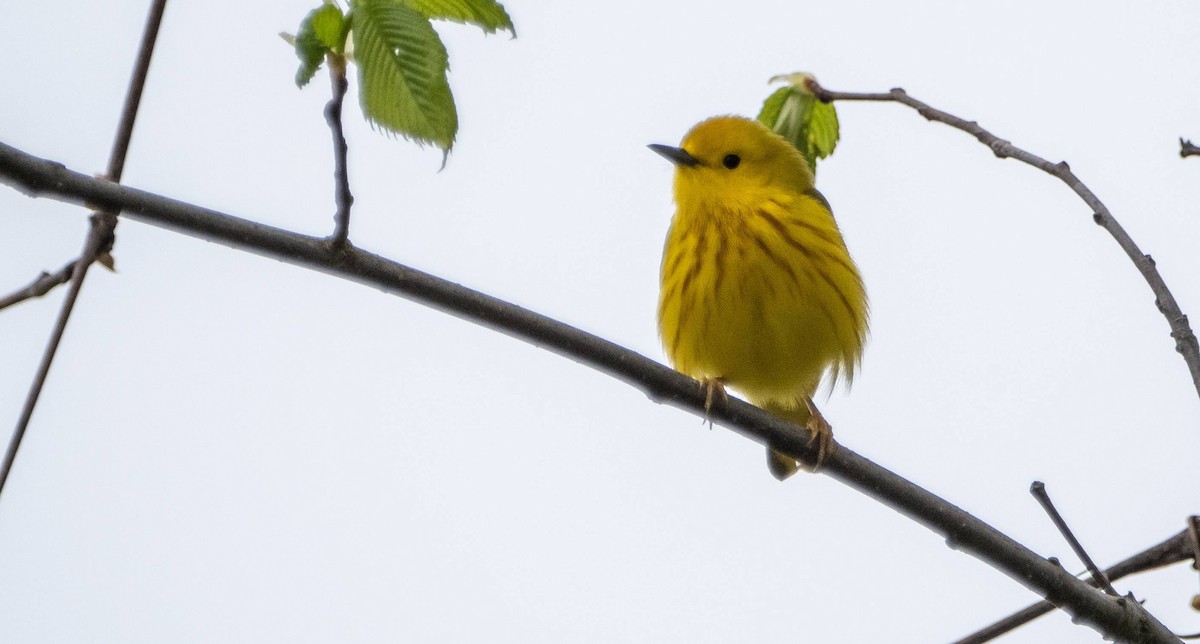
734, 161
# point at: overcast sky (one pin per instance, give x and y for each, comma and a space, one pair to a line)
230, 449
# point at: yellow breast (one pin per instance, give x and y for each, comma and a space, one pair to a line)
761, 292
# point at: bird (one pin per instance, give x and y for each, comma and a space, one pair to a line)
758, 290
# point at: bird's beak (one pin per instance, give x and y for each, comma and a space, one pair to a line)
678, 156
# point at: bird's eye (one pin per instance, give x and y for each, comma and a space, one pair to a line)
731, 161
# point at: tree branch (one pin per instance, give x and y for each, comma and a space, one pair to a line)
1038, 490
1185, 339
1187, 148
341, 175
100, 235
1173, 550
40, 286
1115, 617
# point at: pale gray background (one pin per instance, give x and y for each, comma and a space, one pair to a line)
230, 449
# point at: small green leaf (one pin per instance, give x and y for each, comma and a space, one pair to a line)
824, 129
796, 114
488, 15
402, 67
772, 108
330, 26
321, 31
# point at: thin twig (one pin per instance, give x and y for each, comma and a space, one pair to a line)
40, 286
1168, 552
341, 175
1193, 538
1187, 148
1185, 339
1038, 490
90, 251
100, 235
1113, 617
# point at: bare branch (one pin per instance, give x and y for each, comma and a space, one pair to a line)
102, 225
1185, 339
40, 286
1173, 550
100, 237
1038, 490
1193, 537
1187, 148
1112, 616
333, 115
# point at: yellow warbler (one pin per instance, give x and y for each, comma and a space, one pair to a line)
758, 289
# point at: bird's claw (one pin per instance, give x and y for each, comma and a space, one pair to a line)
822, 434
713, 388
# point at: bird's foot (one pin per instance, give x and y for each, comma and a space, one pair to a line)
714, 388
822, 433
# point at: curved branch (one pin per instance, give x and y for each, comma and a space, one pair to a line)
1185, 339
1168, 552
1118, 617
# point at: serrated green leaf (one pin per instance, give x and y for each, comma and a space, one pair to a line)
330, 26
310, 50
402, 67
824, 130
320, 32
786, 111
488, 15
794, 113
771, 108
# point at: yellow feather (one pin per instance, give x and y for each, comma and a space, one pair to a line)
758, 289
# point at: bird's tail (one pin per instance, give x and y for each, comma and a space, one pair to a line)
781, 465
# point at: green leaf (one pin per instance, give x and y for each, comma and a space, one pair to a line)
330, 26
796, 114
488, 15
321, 31
772, 109
823, 130
402, 67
